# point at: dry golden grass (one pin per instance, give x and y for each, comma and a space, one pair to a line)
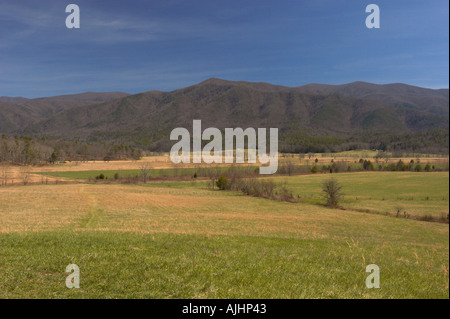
144, 209
153, 162
24, 174
106, 225
162, 161
136, 209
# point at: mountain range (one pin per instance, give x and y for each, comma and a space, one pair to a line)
344, 112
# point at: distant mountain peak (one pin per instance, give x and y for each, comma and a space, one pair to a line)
215, 81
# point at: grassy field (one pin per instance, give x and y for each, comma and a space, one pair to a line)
203, 171
153, 173
182, 240
418, 194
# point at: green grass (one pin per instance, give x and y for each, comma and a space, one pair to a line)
182, 240
205, 171
158, 173
122, 173
416, 193
123, 265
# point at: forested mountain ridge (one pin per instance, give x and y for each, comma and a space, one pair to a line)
312, 117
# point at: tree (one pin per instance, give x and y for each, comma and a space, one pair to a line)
290, 167
401, 166
55, 155
332, 192
144, 171
3, 174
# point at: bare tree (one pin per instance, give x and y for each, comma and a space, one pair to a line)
213, 173
24, 175
4, 174
144, 171
290, 168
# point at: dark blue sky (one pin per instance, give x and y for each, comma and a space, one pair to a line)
136, 46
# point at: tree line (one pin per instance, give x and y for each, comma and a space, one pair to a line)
25, 150
434, 141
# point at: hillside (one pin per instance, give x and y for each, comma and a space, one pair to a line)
397, 94
16, 113
334, 113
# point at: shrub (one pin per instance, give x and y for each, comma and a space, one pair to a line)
260, 188
222, 182
101, 176
314, 170
443, 218
391, 167
332, 191
284, 194
116, 176
426, 218
268, 188
368, 166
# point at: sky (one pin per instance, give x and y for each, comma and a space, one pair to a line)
137, 46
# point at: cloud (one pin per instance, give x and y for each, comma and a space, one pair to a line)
27, 16
44, 23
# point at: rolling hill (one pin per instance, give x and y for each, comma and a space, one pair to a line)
17, 113
397, 94
316, 110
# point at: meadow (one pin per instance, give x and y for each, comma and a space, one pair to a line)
154, 172
181, 239
416, 193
